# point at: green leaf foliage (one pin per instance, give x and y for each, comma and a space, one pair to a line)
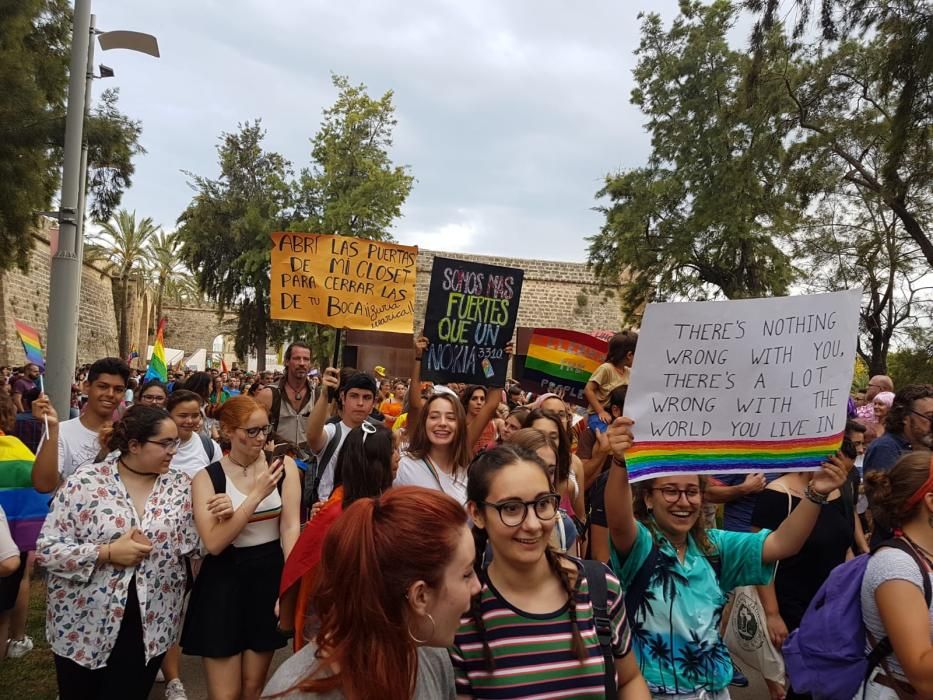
703, 216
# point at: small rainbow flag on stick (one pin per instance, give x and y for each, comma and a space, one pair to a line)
562, 359
158, 369
31, 344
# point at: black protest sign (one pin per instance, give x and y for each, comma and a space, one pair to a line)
470, 318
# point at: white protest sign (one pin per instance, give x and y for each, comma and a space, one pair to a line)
741, 386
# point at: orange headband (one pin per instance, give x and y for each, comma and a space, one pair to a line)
921, 492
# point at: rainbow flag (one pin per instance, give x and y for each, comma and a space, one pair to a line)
559, 358
31, 344
158, 369
25, 507
647, 460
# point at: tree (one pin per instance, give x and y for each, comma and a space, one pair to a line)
703, 217
913, 363
852, 239
35, 39
352, 188
164, 263
876, 90
224, 233
123, 242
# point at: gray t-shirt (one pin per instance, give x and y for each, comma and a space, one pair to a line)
886, 565
435, 676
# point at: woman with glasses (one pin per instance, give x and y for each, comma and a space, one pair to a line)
153, 393
231, 620
681, 572
196, 450
531, 630
366, 465
114, 545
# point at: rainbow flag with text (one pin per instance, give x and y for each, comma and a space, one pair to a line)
562, 359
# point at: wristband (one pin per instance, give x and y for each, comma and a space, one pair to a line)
616, 462
814, 497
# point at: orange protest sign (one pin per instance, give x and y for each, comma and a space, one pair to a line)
343, 282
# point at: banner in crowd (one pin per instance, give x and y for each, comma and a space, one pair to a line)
561, 360
752, 385
32, 346
158, 367
470, 318
343, 282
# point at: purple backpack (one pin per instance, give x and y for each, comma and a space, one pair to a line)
826, 656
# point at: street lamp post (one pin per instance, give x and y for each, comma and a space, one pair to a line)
65, 269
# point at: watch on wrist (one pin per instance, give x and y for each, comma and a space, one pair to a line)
814, 497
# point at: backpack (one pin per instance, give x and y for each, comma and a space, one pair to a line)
595, 573
826, 656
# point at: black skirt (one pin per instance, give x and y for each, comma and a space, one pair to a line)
232, 606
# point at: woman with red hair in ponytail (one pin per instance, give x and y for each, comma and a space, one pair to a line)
396, 575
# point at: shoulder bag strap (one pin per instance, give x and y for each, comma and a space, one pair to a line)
218, 477
431, 468
595, 573
639, 585
208, 445
326, 456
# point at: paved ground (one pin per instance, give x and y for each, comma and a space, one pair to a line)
193, 679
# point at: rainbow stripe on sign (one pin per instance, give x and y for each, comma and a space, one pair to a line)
651, 459
31, 344
563, 358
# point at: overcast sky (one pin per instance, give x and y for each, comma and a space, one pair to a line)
509, 112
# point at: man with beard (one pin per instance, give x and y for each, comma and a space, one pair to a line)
24, 385
907, 427
289, 402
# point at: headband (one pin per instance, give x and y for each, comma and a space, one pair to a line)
921, 492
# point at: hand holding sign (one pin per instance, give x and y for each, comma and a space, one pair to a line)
619, 435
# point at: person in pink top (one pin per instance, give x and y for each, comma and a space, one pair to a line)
866, 413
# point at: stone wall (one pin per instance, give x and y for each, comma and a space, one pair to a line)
557, 294
25, 297
554, 294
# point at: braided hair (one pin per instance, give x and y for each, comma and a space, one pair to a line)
482, 471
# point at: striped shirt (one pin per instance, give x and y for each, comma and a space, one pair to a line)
532, 652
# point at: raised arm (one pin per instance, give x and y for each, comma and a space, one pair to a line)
45, 476
317, 438
415, 402
787, 540
488, 411
619, 514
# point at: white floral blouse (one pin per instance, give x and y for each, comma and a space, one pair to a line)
86, 600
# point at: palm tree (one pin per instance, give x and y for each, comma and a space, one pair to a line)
667, 575
658, 647
691, 663
123, 242
163, 259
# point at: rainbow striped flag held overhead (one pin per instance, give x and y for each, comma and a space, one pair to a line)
559, 358
32, 346
158, 369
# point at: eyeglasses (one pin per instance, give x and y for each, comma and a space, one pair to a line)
513, 513
168, 444
671, 494
152, 398
256, 432
368, 429
927, 416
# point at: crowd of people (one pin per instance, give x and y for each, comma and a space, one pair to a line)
409, 539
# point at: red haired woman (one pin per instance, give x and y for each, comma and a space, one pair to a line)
231, 618
387, 598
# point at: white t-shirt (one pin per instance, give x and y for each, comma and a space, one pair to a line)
416, 472
326, 487
886, 565
77, 446
191, 457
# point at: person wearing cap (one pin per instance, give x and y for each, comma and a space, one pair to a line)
356, 396
380, 373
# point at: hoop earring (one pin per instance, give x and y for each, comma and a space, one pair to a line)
433, 630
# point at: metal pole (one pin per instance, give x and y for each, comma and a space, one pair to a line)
82, 188
66, 263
